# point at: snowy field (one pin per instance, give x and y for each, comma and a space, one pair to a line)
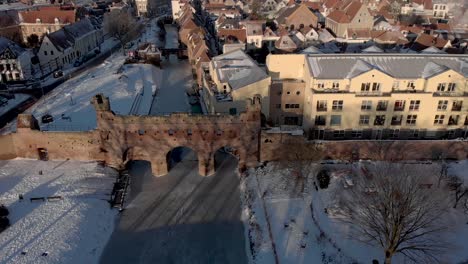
130, 88
73, 229
286, 218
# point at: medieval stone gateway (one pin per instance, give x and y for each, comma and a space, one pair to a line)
120, 139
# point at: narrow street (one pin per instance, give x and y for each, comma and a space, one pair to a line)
181, 217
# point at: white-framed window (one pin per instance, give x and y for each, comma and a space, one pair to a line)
321, 105
442, 105
337, 105
376, 87
364, 119
336, 85
320, 85
382, 105
366, 105
441, 87
411, 120
414, 105
451, 87
439, 119
365, 87
399, 105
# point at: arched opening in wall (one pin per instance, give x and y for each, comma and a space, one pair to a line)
141, 177
183, 158
226, 158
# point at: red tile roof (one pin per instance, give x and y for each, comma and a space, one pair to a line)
240, 34
47, 15
428, 41
345, 11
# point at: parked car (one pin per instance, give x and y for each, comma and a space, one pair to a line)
77, 63
58, 74
47, 118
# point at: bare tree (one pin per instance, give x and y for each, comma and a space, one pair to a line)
121, 25
399, 211
459, 188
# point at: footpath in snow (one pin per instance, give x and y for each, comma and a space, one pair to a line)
73, 229
286, 221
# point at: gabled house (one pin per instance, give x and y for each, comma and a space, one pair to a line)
15, 61
296, 17
73, 42
254, 32
285, 44
45, 20
350, 14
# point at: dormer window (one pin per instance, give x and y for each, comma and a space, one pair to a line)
56, 20
38, 20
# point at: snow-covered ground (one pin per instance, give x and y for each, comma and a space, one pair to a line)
130, 88
73, 229
283, 211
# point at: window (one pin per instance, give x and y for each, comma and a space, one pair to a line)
356, 133
396, 120
376, 87
45, 52
337, 105
219, 132
320, 85
379, 120
411, 120
338, 133
457, 105
441, 87
366, 105
233, 111
298, 93
365, 87
364, 119
336, 85
399, 105
394, 133
287, 106
414, 105
320, 120
442, 105
335, 120
411, 85
453, 120
296, 106
439, 119
51, 52
291, 120
288, 92
451, 87
382, 105
322, 106
414, 133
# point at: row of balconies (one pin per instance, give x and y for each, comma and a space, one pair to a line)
456, 107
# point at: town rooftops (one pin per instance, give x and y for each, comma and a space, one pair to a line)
403, 66
237, 69
64, 38
12, 46
346, 12
47, 15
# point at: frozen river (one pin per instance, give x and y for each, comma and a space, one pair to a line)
181, 217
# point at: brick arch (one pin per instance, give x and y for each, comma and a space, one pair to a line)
152, 137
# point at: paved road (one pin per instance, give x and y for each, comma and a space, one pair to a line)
181, 217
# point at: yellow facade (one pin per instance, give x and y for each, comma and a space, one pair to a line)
376, 105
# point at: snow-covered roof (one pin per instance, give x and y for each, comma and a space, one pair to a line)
237, 69
311, 50
372, 49
343, 66
12, 46
432, 49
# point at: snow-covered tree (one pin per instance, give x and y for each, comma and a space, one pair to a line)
398, 210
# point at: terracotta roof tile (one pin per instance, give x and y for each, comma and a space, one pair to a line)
47, 15
428, 41
240, 34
